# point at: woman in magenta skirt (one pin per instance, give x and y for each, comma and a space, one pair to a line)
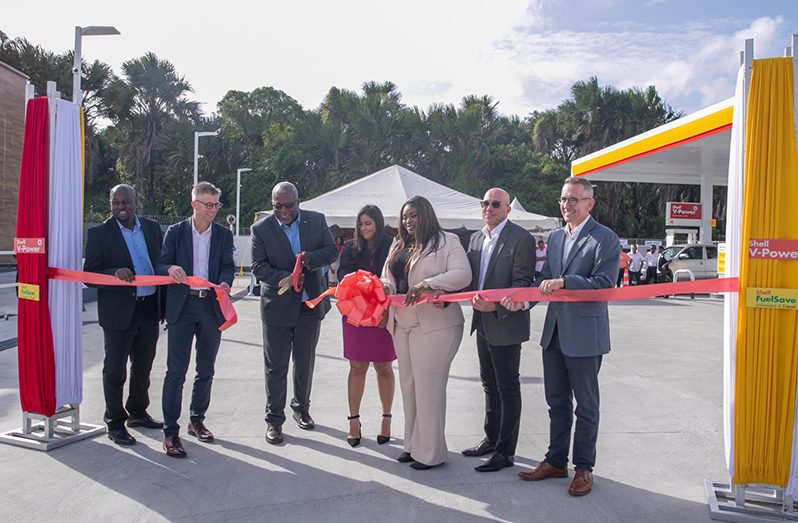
365, 345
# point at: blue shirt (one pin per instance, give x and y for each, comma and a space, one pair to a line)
292, 233
137, 247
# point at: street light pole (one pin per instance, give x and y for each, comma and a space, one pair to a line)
238, 195
197, 135
80, 32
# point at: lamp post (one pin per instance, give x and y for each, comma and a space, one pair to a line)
80, 32
197, 135
238, 194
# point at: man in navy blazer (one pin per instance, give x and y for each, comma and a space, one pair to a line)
581, 255
124, 246
194, 247
289, 326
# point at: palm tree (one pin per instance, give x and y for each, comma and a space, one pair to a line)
141, 104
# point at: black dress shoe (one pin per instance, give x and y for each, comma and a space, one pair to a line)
200, 431
274, 434
173, 446
121, 437
303, 419
146, 421
404, 457
421, 466
480, 449
496, 462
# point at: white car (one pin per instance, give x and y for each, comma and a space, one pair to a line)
699, 258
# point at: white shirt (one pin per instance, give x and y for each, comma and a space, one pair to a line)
637, 261
488, 246
570, 239
539, 253
651, 259
201, 244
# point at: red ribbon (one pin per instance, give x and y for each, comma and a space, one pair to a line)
93, 278
363, 301
361, 298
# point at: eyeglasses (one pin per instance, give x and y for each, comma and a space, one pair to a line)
287, 206
571, 201
485, 204
210, 205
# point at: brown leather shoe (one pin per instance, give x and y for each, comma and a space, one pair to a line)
582, 483
200, 431
544, 471
174, 447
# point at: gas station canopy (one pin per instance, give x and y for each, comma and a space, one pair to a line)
677, 152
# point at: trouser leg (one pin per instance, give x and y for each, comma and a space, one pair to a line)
560, 402
306, 336
117, 348
208, 339
506, 364
276, 356
583, 376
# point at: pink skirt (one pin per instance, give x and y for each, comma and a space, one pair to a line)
371, 344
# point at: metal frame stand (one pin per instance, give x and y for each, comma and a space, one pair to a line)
50, 432
749, 503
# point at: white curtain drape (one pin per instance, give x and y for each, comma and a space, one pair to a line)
734, 216
64, 251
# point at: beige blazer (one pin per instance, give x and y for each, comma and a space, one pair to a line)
446, 269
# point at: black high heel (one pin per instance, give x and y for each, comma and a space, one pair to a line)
382, 440
354, 442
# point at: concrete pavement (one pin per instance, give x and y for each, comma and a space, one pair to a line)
661, 436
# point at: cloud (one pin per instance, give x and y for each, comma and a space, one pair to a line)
687, 67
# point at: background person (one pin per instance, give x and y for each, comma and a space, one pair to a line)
290, 328
651, 265
124, 246
636, 262
194, 247
540, 257
424, 259
501, 256
363, 345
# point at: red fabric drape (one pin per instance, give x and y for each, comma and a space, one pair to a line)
35, 338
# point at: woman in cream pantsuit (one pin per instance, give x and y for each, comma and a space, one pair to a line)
424, 259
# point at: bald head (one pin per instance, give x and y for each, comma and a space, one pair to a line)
285, 202
495, 207
286, 188
123, 188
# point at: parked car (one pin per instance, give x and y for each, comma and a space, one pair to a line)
699, 258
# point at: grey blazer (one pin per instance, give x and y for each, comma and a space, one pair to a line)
273, 259
512, 264
583, 327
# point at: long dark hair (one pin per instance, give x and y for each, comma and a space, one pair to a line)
428, 230
373, 212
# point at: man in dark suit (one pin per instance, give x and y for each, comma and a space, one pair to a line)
288, 324
581, 255
196, 247
126, 245
501, 256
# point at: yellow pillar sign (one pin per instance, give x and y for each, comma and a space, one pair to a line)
764, 298
28, 291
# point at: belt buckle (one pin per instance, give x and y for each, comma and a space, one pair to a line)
202, 293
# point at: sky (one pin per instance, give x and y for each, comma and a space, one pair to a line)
525, 54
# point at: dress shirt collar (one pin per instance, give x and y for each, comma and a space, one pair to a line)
195, 231
574, 234
136, 226
492, 235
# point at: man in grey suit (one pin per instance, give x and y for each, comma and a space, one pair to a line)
582, 255
501, 256
289, 326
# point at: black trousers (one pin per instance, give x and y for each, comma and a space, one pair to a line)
634, 277
651, 275
197, 320
279, 345
500, 376
565, 379
136, 343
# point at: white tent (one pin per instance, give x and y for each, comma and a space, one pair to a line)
515, 204
391, 187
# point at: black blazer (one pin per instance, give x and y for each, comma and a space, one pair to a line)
351, 261
512, 264
273, 259
178, 249
106, 252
